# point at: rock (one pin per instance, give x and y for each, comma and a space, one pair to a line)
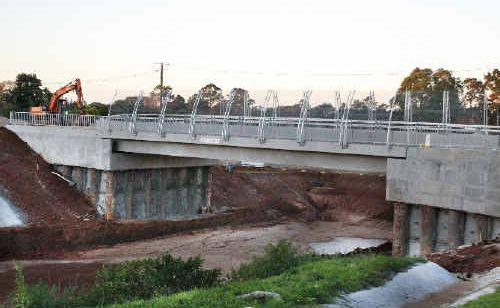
260, 295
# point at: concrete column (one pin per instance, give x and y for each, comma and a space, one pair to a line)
67, 172
91, 185
78, 178
428, 237
148, 212
129, 197
208, 192
483, 225
400, 229
455, 228
109, 197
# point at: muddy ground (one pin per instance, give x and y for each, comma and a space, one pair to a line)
225, 248
43, 198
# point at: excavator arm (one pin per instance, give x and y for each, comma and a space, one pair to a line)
72, 86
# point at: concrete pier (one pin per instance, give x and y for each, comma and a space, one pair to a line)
420, 230
150, 194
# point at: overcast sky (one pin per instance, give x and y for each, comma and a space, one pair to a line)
288, 45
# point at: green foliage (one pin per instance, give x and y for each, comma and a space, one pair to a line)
491, 300
315, 282
277, 259
96, 109
140, 279
20, 297
148, 277
27, 92
210, 100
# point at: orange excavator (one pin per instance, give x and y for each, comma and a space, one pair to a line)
55, 105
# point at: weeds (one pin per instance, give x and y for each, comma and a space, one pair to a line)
141, 279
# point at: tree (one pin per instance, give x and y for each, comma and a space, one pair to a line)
427, 88
211, 97
27, 92
177, 105
96, 109
492, 84
5, 106
474, 92
123, 106
237, 107
324, 110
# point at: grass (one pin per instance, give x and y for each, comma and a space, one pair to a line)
315, 282
486, 301
301, 280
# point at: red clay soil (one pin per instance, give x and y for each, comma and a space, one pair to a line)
470, 259
43, 198
308, 195
60, 275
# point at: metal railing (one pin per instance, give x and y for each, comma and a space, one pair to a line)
264, 129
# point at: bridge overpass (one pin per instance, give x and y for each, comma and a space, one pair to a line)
444, 175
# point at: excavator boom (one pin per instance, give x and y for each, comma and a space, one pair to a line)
72, 86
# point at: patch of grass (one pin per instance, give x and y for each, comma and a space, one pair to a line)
140, 279
491, 300
277, 259
314, 282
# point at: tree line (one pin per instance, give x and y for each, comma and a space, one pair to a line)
466, 97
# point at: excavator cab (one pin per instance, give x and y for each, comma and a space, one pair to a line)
57, 104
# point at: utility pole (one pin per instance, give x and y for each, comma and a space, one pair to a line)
162, 64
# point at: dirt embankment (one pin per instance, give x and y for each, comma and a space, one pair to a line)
307, 195
470, 259
42, 197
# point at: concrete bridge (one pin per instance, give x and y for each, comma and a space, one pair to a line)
445, 177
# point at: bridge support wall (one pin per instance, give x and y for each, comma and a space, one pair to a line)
420, 229
456, 179
144, 194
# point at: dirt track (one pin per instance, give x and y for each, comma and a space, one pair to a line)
224, 248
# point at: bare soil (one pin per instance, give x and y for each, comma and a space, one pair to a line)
470, 259
225, 248
44, 199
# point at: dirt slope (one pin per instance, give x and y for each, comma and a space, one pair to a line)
309, 195
26, 180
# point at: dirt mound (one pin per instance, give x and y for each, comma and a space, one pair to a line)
43, 198
308, 195
470, 259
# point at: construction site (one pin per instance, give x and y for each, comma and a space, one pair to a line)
237, 154
115, 196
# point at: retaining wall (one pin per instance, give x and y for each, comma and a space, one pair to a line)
457, 179
151, 194
420, 230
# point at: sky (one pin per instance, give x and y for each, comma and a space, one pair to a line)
288, 45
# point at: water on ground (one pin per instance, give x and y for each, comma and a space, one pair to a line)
8, 215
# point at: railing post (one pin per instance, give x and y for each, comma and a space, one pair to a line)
192, 121
345, 121
304, 111
133, 129
227, 112
262, 119
161, 118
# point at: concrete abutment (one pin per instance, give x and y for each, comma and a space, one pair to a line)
421, 229
144, 194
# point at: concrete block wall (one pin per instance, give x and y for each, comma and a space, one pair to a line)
420, 230
457, 179
146, 194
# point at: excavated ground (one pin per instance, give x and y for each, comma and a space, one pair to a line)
43, 198
470, 259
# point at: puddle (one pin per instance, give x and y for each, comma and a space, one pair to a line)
412, 285
344, 245
8, 216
